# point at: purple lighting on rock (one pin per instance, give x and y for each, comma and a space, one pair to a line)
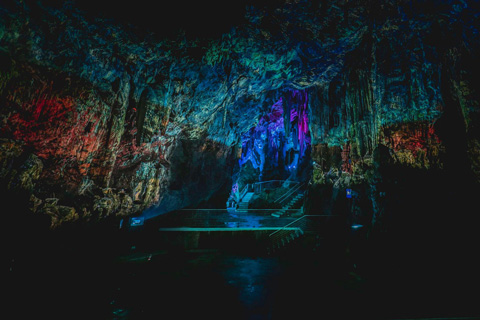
298, 105
280, 137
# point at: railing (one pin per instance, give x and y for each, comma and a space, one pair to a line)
244, 191
209, 218
287, 229
270, 184
297, 223
290, 231
290, 192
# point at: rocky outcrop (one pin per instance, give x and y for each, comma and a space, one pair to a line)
110, 123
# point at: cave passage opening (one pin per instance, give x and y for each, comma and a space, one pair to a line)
276, 152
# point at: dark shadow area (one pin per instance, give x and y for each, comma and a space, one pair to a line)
397, 186
426, 269
198, 19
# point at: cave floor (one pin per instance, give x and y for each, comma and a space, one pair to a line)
216, 284
119, 274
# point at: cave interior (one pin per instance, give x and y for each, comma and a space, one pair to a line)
241, 160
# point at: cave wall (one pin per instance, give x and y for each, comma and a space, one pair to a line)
278, 147
98, 126
398, 128
97, 121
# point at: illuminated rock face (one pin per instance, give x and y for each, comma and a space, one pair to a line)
98, 122
278, 147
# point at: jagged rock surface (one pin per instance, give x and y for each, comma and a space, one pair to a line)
109, 123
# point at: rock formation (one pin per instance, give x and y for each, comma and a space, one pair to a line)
98, 121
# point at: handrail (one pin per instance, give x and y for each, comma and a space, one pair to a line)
262, 182
213, 209
282, 226
205, 219
296, 220
289, 193
221, 211
269, 181
270, 184
244, 191
291, 230
283, 195
287, 225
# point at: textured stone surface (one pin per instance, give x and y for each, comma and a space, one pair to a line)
111, 123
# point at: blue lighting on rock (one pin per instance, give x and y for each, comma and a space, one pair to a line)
137, 221
280, 139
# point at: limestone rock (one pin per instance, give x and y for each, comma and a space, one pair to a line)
89, 107
58, 214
